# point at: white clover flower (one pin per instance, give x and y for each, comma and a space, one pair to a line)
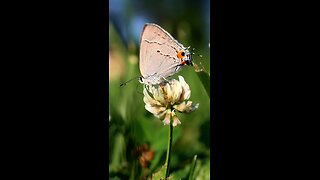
164, 99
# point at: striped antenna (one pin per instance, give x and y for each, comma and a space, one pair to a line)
129, 81
194, 53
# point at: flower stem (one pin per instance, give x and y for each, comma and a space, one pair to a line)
169, 148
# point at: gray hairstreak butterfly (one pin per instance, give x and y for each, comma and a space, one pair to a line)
161, 55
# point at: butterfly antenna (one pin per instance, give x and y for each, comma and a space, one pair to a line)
128, 81
195, 53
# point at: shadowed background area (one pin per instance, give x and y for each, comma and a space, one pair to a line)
130, 125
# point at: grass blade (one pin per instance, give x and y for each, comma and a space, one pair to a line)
204, 78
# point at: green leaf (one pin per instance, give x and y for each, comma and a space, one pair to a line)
118, 153
202, 170
204, 78
192, 167
114, 178
161, 174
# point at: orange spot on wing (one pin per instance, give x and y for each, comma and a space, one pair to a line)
179, 54
183, 63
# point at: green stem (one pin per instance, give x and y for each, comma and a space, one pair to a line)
169, 149
193, 165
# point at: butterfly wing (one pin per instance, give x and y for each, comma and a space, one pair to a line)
158, 52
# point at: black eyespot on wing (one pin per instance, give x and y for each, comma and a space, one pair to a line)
182, 53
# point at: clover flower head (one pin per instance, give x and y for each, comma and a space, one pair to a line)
164, 99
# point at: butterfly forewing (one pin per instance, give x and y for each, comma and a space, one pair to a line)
158, 52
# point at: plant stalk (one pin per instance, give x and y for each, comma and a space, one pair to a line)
169, 149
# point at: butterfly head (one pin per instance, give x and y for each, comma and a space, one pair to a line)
185, 57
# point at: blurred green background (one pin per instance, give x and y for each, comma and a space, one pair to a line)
130, 125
